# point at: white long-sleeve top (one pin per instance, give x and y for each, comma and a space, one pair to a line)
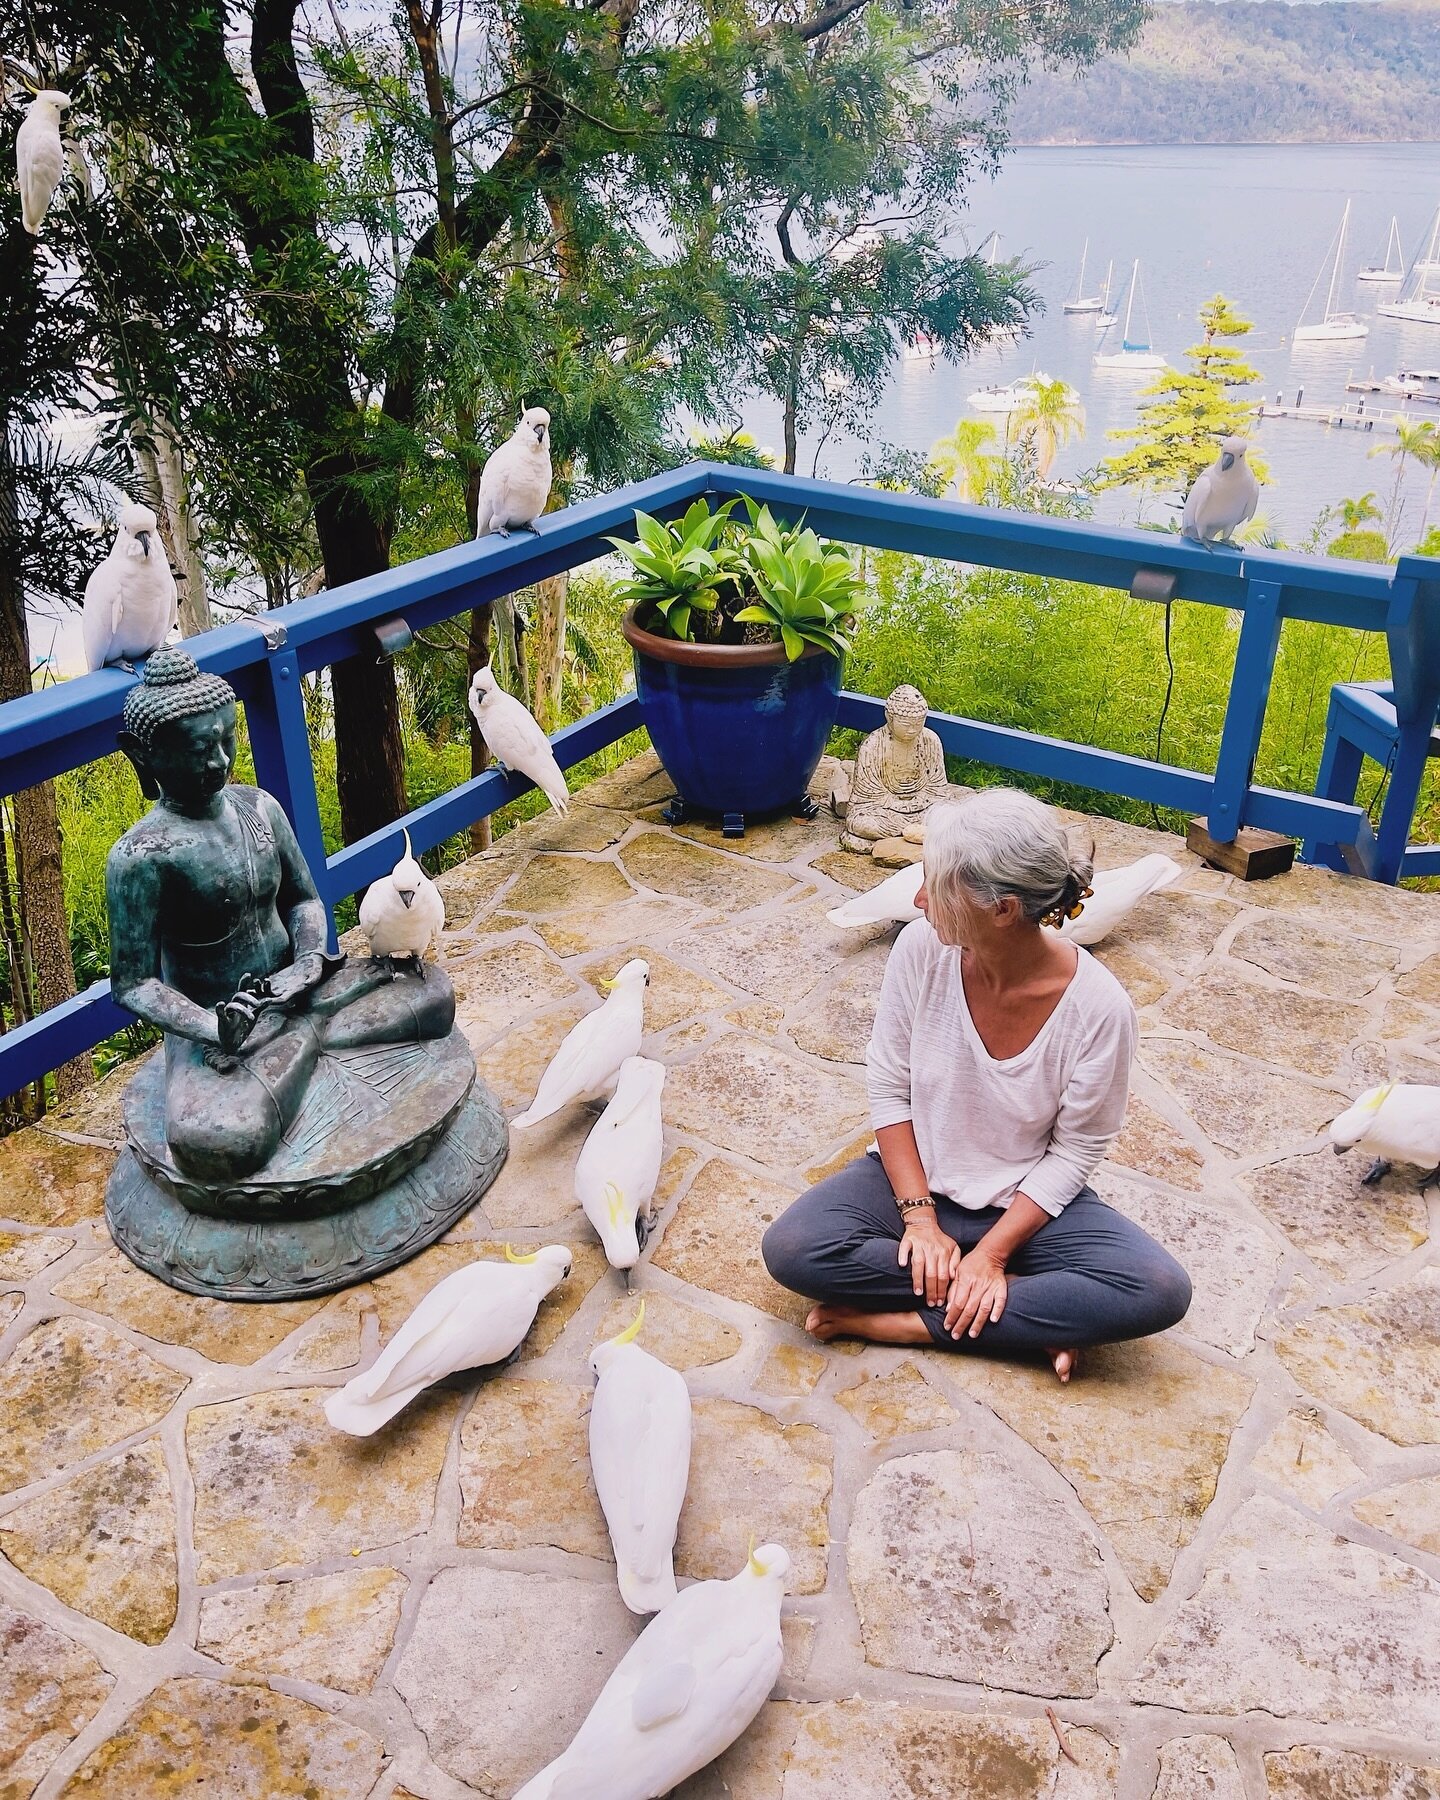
1036, 1123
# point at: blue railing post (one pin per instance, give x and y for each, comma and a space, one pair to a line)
280, 744
1245, 712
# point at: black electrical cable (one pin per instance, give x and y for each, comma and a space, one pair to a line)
1164, 709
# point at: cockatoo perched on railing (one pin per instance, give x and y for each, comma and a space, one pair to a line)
39, 156
515, 482
514, 737
403, 913
131, 603
1224, 496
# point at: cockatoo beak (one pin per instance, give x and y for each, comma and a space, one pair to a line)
142, 538
407, 900
1340, 1149
1227, 459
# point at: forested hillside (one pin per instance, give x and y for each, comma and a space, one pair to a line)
1234, 71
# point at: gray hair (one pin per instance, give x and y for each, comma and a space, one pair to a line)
1001, 844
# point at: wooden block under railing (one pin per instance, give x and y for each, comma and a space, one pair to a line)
1254, 856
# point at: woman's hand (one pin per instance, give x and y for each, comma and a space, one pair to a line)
931, 1257
977, 1295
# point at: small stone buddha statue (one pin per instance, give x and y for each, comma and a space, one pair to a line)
279, 1100
899, 775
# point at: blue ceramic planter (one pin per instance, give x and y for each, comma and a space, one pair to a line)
739, 729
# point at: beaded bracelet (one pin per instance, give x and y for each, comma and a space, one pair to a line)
914, 1204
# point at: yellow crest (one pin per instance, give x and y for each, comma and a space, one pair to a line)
512, 1257
632, 1330
1378, 1098
607, 982
617, 1203
754, 1564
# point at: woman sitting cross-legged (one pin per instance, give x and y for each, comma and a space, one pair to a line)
999, 1067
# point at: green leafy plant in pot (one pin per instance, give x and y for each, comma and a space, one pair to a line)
738, 633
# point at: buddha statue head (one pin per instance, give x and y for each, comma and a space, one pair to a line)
905, 713
179, 729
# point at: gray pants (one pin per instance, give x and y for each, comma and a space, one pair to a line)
1087, 1277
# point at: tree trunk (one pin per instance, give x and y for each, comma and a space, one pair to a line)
195, 615
39, 874
550, 646
369, 753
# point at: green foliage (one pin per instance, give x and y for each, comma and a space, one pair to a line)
1359, 546
1177, 430
681, 570
806, 592
1047, 418
1263, 72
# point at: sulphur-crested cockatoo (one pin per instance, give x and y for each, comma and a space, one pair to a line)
131, 605
39, 156
1116, 893
403, 914
892, 899
682, 1693
640, 1459
1224, 496
1399, 1121
515, 738
471, 1319
589, 1059
515, 482
616, 1171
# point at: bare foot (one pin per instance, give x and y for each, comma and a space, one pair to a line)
826, 1322
1065, 1362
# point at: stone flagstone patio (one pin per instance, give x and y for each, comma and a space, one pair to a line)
1211, 1567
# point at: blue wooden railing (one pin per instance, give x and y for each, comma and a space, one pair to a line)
64, 726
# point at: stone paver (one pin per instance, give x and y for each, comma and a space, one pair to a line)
1292, 1619
50, 1688
104, 1543
242, 1741
1237, 1523
960, 1569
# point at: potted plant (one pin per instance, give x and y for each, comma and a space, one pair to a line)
738, 633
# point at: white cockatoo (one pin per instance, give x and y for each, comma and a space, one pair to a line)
1399, 1121
589, 1059
515, 738
640, 1459
515, 482
403, 913
474, 1318
1115, 893
39, 156
891, 900
131, 603
616, 1171
1224, 496
681, 1694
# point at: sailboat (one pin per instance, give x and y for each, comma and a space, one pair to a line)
1392, 250
1133, 354
1419, 305
1083, 302
1107, 315
1335, 325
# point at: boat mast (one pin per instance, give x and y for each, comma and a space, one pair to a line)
1080, 285
1335, 271
1394, 238
1130, 305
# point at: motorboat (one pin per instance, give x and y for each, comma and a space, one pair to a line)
1413, 384
997, 399
1336, 326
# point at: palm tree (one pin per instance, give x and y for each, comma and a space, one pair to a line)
1356, 513
962, 459
1050, 416
1421, 442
